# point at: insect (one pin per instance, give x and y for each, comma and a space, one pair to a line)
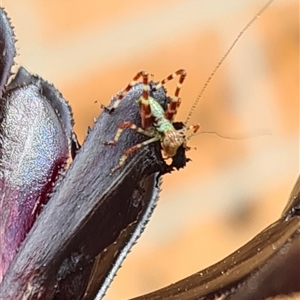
157, 123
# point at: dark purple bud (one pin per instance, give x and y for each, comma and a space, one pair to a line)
93, 219
35, 132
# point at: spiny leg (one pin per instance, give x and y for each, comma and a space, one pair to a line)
132, 149
145, 110
134, 81
173, 106
129, 125
195, 128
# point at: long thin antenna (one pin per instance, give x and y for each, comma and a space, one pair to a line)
241, 137
224, 57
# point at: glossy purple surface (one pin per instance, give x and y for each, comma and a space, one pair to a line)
33, 150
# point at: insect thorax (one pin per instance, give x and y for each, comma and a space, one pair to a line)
160, 123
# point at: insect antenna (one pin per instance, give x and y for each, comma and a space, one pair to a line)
258, 14
240, 137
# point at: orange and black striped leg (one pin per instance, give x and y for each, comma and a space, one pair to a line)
195, 128
132, 149
145, 110
134, 81
173, 106
129, 125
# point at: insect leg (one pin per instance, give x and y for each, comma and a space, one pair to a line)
173, 106
132, 149
195, 128
128, 88
145, 110
129, 125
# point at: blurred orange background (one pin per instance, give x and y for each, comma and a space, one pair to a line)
232, 189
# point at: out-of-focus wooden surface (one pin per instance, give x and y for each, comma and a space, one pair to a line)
232, 189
